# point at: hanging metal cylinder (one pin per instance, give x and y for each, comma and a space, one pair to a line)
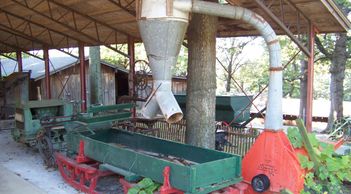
162, 28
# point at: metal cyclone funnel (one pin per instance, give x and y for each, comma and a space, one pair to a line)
162, 35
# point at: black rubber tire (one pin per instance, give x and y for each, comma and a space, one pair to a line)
260, 183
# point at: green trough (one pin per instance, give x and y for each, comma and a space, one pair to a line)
136, 155
227, 107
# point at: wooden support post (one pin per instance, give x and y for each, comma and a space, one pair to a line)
19, 61
83, 88
95, 75
131, 53
310, 77
47, 73
0, 70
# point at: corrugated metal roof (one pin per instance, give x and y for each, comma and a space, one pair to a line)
37, 68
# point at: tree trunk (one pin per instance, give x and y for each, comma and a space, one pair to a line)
229, 76
201, 84
303, 89
95, 75
337, 75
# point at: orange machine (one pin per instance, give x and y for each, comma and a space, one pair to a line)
271, 165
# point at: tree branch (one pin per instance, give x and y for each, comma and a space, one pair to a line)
320, 59
321, 48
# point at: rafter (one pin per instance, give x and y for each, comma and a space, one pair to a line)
74, 27
20, 49
17, 36
7, 56
283, 26
89, 17
24, 36
79, 31
68, 53
33, 55
124, 7
38, 25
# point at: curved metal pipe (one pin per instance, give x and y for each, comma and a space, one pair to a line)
274, 115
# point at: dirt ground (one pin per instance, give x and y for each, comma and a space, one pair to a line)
27, 163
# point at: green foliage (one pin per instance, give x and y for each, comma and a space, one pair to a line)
254, 75
345, 5
112, 57
292, 74
231, 58
251, 71
180, 69
295, 137
334, 169
286, 191
145, 186
329, 53
305, 162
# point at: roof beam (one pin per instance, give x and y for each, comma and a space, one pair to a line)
33, 55
93, 39
283, 27
74, 27
124, 7
16, 36
29, 23
35, 40
68, 53
20, 49
89, 17
22, 35
337, 13
6, 56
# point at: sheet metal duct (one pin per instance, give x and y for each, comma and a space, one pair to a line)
162, 25
162, 34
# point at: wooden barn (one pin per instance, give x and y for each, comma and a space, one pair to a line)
65, 80
64, 77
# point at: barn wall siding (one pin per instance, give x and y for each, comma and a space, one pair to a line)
70, 79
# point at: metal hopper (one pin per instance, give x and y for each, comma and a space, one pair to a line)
162, 30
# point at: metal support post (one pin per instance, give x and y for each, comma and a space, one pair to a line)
131, 53
19, 61
83, 88
47, 73
310, 77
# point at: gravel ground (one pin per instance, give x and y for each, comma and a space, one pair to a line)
27, 163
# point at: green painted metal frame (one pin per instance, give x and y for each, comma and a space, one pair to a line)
227, 107
28, 125
105, 114
121, 149
106, 118
96, 109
